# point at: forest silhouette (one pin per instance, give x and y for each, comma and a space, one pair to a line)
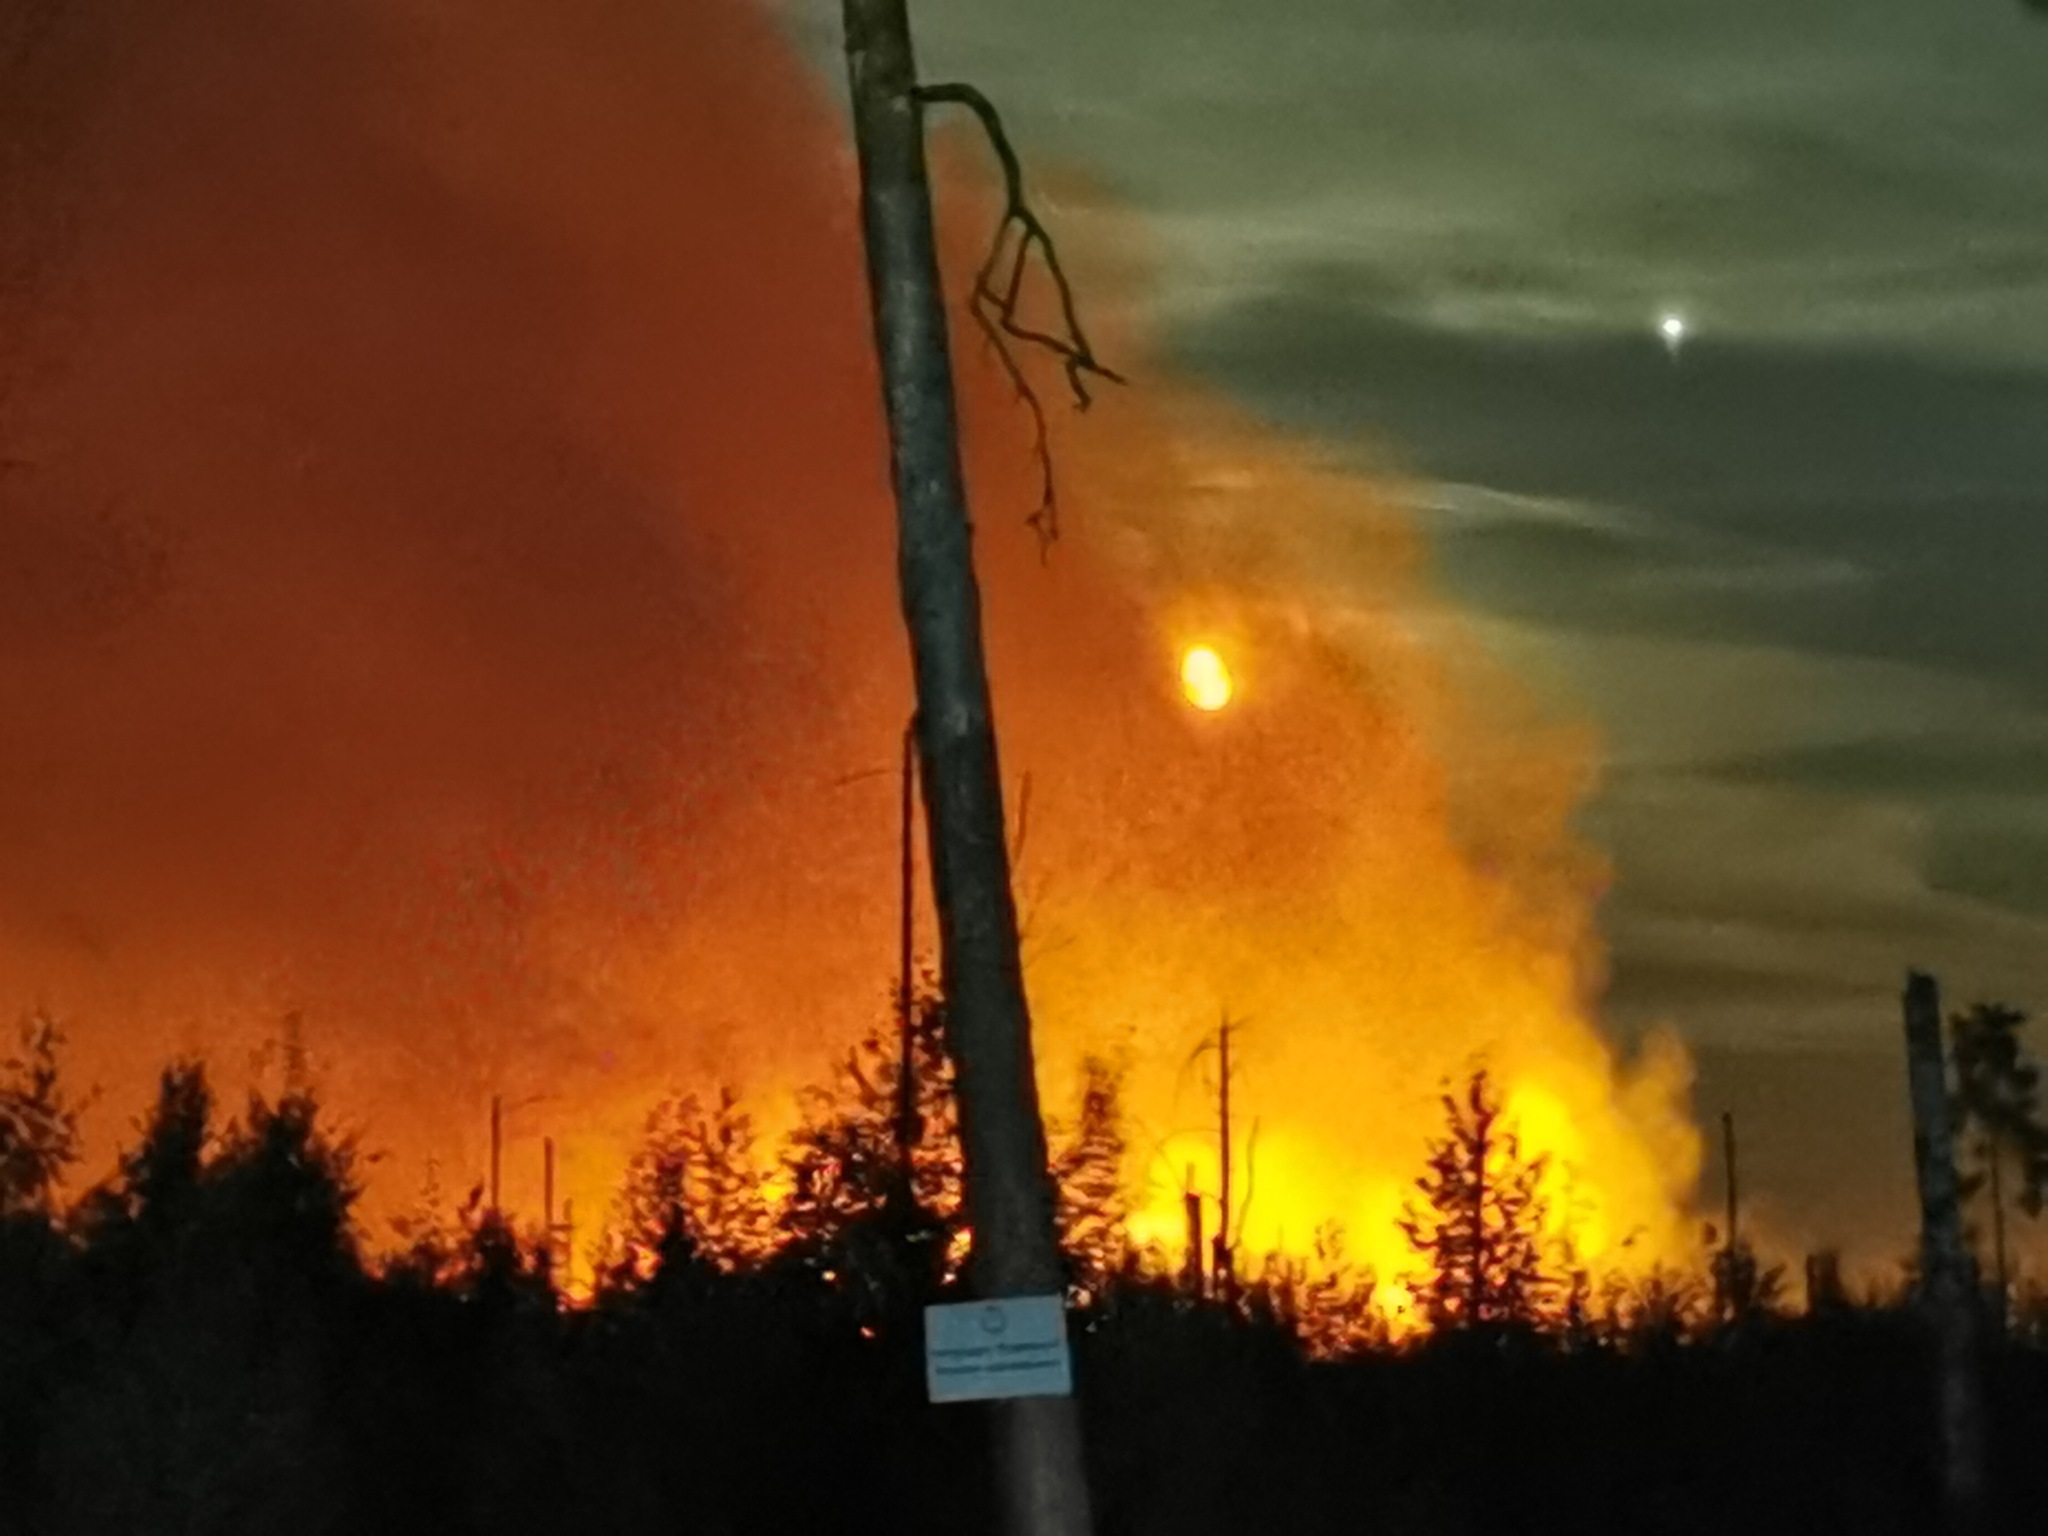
208, 1341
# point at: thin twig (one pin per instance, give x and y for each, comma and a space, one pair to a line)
998, 296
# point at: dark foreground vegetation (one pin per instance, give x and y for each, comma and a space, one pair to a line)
203, 1345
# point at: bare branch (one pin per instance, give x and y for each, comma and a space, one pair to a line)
998, 295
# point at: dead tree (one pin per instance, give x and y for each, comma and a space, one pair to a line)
1223, 1247
1946, 1288
1042, 1487
1226, 1275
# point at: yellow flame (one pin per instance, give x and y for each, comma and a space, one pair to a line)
1205, 679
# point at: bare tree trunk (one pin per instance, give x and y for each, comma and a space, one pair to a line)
1225, 1268
1731, 1252
547, 1206
909, 1129
1945, 1287
1728, 1165
1043, 1489
497, 1146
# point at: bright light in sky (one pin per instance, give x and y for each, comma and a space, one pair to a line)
1205, 679
1674, 331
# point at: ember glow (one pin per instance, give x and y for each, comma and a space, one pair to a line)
449, 598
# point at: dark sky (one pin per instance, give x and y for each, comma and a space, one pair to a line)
1791, 574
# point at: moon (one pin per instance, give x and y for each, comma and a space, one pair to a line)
1205, 679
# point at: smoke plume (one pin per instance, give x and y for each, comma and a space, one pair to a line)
447, 597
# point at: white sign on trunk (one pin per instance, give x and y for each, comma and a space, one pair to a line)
1012, 1347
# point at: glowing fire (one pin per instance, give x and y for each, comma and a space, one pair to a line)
462, 486
1205, 679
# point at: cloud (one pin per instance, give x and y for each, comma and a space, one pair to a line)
1834, 168
1866, 501
1792, 581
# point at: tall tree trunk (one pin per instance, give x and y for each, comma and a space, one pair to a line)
1008, 1190
1946, 1291
1731, 1287
1226, 1275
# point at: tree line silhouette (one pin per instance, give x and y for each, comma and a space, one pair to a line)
207, 1342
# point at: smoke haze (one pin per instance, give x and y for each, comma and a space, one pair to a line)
447, 593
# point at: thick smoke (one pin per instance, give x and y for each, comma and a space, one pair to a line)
446, 594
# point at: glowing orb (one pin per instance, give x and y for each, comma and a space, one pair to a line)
1674, 330
1205, 679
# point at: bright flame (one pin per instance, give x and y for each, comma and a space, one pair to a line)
1205, 679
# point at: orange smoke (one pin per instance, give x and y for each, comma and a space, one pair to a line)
1365, 860
446, 575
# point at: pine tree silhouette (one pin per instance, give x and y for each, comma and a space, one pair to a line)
1480, 1226
1089, 1175
38, 1122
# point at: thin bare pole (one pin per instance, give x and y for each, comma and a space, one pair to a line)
1945, 1282
1042, 1486
547, 1183
568, 1242
1728, 1164
908, 1130
497, 1146
1731, 1293
547, 1209
1223, 1267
